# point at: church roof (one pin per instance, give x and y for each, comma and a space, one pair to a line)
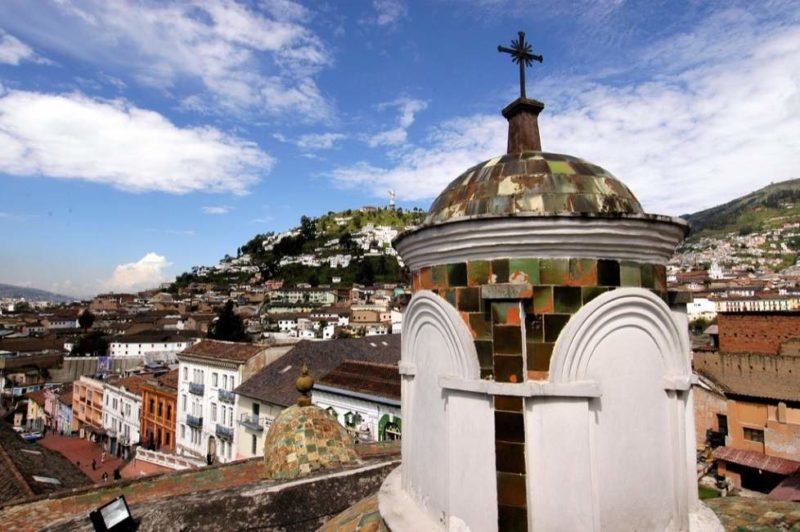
533, 182
305, 439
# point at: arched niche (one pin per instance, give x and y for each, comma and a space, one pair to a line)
442, 441
628, 342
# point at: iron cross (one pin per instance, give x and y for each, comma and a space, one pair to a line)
520, 52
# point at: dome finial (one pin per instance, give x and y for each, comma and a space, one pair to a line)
304, 385
522, 114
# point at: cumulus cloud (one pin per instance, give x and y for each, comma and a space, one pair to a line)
321, 141
246, 57
13, 51
388, 12
145, 273
407, 109
216, 209
114, 143
689, 136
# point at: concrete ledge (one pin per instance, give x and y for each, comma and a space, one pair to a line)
680, 383
399, 510
523, 389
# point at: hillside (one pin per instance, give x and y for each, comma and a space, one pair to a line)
338, 248
32, 294
758, 232
766, 208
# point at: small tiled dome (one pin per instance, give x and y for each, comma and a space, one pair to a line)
304, 439
533, 182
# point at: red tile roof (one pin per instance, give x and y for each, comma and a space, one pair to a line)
370, 378
133, 383
169, 380
756, 460
219, 350
37, 396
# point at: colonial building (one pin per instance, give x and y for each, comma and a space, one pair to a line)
153, 345
208, 373
87, 406
159, 411
122, 410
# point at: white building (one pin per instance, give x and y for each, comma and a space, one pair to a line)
122, 407
701, 307
153, 345
207, 375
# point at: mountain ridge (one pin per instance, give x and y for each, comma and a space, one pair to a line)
33, 294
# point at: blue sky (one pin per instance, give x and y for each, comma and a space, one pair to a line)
140, 138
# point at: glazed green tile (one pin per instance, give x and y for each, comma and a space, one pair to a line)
590, 292
553, 323
507, 339
582, 272
534, 327
481, 327
523, 271
630, 274
509, 457
500, 270
567, 299
457, 274
506, 291
543, 300
648, 276
511, 490
469, 299
485, 353
554, 271
505, 313
538, 356
450, 296
560, 167
508, 403
439, 276
607, 272
508, 368
478, 272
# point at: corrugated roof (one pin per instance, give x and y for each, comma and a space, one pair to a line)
756, 460
218, 350
275, 383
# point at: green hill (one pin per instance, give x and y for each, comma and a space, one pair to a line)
767, 208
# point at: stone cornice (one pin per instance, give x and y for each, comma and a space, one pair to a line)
640, 238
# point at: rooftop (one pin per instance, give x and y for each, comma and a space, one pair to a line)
382, 380
275, 383
218, 350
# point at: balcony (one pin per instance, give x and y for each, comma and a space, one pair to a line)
251, 422
194, 421
226, 396
197, 388
224, 433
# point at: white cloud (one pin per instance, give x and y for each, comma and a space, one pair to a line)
147, 272
407, 109
13, 51
388, 12
321, 141
216, 210
256, 58
689, 136
114, 143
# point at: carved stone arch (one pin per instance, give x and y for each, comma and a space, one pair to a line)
427, 310
608, 313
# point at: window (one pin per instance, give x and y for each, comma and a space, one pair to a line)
169, 412
151, 406
160, 408
756, 435
183, 432
253, 443
214, 412
183, 400
185, 373
722, 423
231, 383
214, 379
225, 382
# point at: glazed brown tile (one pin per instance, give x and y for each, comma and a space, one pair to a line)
553, 323
567, 299
500, 271
509, 457
508, 403
508, 368
509, 427
469, 299
538, 355
457, 274
512, 519
582, 272
534, 327
511, 490
485, 353
508, 339
607, 272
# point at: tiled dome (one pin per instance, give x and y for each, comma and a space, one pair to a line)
304, 439
533, 182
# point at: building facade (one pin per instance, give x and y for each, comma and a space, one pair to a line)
87, 406
122, 410
159, 412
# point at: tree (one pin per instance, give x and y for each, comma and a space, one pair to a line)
308, 228
86, 319
91, 344
228, 325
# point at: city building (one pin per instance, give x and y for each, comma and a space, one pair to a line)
66, 424
159, 414
122, 410
153, 345
87, 407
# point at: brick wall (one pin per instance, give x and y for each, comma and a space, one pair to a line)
756, 332
706, 407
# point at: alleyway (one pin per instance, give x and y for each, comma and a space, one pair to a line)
80, 450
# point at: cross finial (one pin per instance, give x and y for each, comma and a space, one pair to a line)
521, 53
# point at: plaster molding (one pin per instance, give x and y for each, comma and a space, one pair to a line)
399, 510
640, 239
608, 313
588, 388
427, 310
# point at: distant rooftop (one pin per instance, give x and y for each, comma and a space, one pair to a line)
238, 352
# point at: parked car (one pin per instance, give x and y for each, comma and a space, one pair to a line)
31, 436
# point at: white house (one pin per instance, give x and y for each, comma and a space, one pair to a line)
122, 407
153, 345
207, 375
